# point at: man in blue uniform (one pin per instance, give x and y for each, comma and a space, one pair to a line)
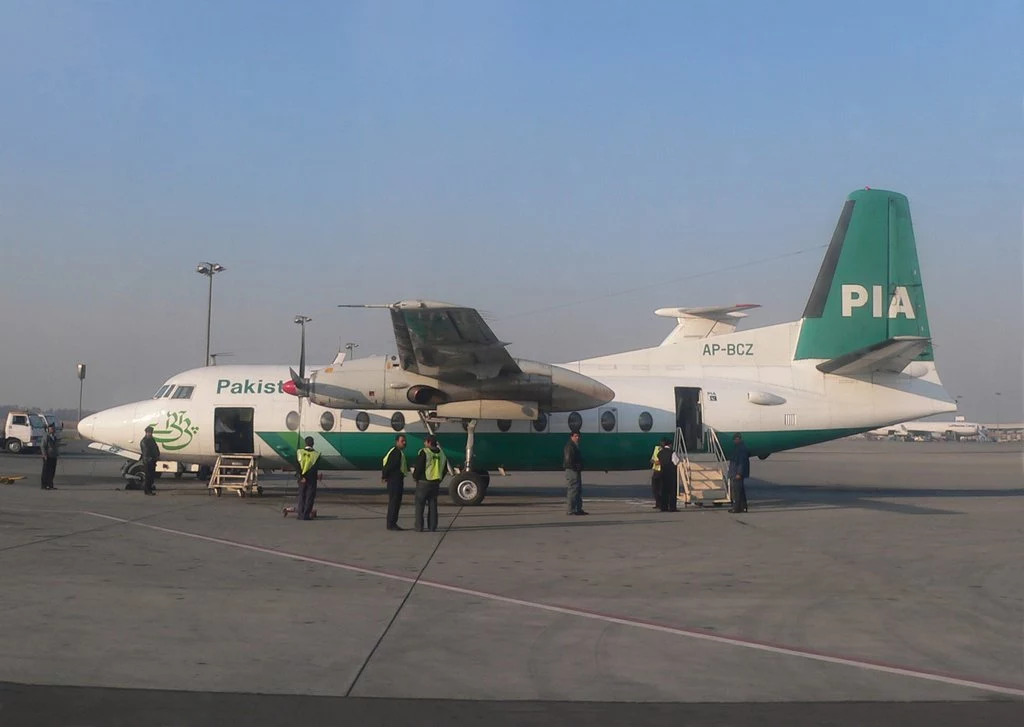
309, 473
150, 455
739, 470
395, 468
50, 453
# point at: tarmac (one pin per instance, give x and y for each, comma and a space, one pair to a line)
871, 582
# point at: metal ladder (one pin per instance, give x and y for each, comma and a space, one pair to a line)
702, 475
236, 472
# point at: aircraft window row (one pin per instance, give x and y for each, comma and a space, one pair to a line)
183, 392
608, 420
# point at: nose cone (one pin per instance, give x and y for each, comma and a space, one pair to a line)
87, 427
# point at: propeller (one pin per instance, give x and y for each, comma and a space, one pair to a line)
299, 384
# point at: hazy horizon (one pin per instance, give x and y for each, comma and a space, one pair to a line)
565, 169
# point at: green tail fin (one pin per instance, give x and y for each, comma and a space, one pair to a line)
869, 287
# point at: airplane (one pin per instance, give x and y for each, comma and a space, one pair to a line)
858, 359
916, 430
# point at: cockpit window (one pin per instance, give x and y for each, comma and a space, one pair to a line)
161, 391
170, 388
183, 392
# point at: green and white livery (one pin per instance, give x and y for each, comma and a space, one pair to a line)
860, 358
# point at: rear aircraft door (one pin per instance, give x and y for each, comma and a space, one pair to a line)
690, 417
233, 430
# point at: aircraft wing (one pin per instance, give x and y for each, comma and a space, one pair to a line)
892, 355
703, 322
449, 342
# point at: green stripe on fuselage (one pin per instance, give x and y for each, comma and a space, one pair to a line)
531, 451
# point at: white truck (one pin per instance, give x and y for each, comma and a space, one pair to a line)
22, 431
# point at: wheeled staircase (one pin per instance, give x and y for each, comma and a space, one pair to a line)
237, 473
702, 474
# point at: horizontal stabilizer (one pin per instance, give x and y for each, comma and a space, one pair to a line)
703, 322
891, 356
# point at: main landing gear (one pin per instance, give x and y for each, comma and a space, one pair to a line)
468, 486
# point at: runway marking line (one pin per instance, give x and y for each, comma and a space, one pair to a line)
865, 664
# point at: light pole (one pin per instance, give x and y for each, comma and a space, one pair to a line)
81, 383
999, 407
351, 347
209, 270
213, 356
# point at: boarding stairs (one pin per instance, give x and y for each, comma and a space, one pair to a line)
702, 473
236, 472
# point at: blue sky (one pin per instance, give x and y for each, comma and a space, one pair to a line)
512, 156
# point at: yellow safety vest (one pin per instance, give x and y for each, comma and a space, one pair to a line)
435, 463
307, 458
405, 465
654, 459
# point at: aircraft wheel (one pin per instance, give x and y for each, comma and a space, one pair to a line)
14, 445
467, 489
135, 473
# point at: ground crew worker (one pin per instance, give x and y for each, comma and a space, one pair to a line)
393, 474
308, 474
739, 470
150, 455
50, 453
656, 477
572, 462
431, 464
669, 475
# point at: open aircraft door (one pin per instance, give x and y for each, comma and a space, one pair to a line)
233, 430
690, 416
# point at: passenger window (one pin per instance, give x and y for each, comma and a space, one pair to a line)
504, 425
541, 422
362, 421
327, 421
575, 422
646, 421
398, 421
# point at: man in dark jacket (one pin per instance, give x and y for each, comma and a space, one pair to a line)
431, 465
308, 474
669, 478
739, 470
150, 455
50, 453
395, 468
572, 462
